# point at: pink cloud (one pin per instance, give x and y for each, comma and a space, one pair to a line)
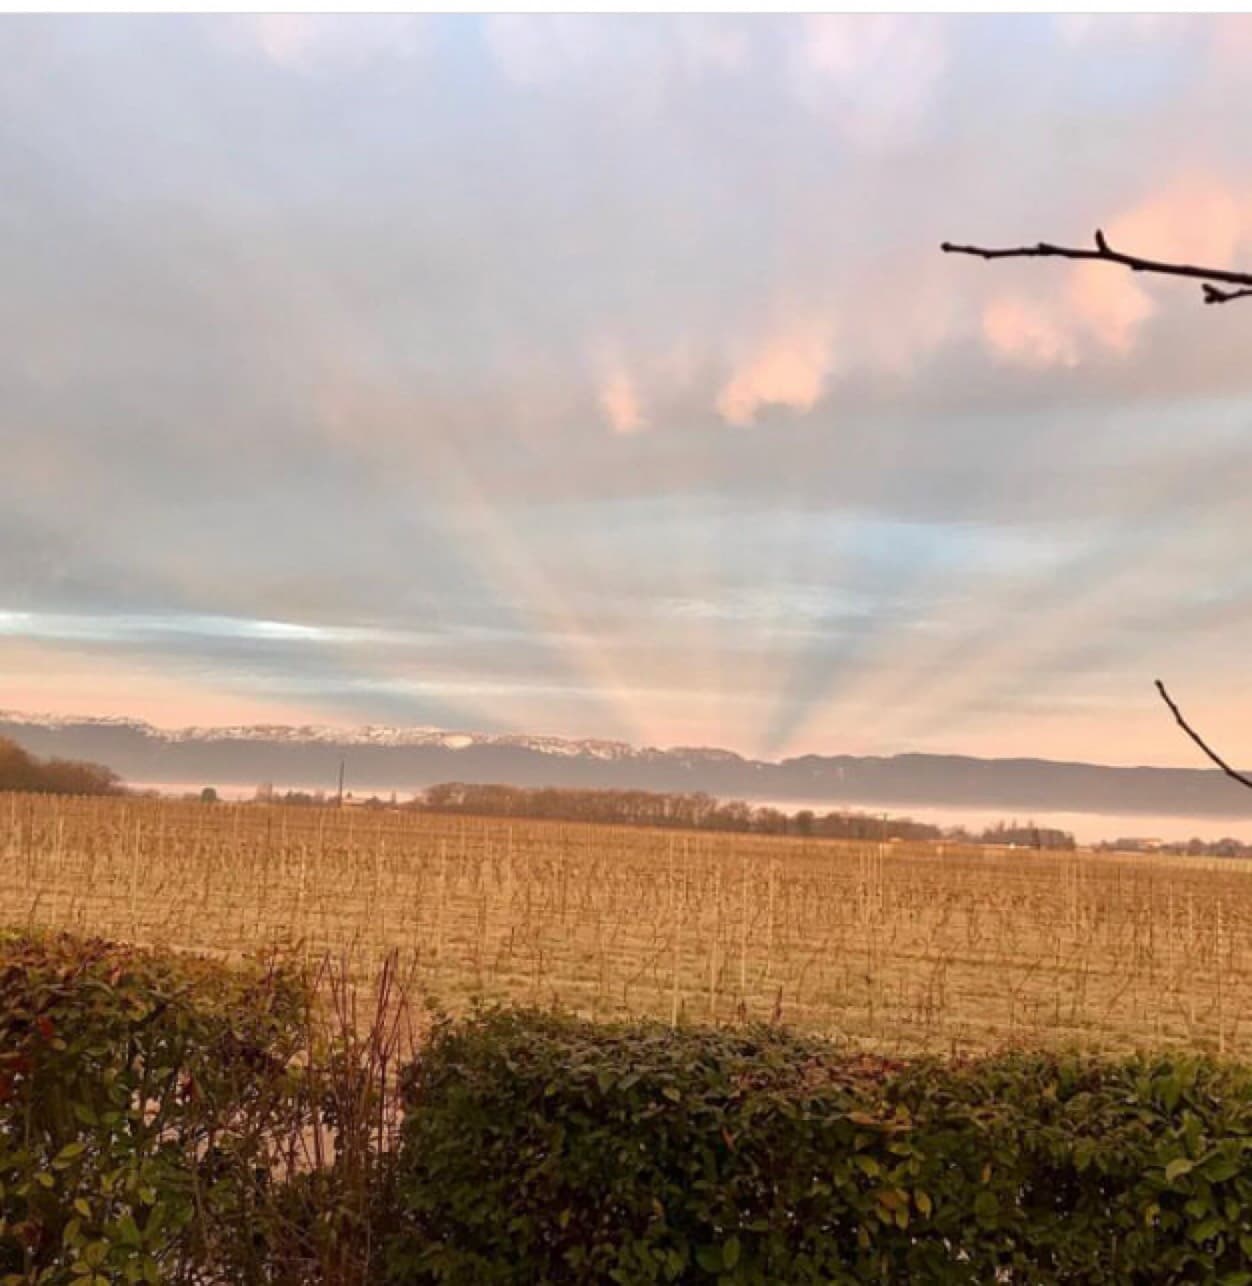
620, 403
1195, 218
1024, 332
1108, 304
790, 369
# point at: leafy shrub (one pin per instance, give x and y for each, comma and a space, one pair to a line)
135, 1092
538, 1148
167, 1119
1082, 1169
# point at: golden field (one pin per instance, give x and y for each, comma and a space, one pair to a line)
897, 947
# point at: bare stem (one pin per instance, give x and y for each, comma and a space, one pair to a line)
1104, 253
1195, 736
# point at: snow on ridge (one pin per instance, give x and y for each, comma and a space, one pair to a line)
368, 735
45, 720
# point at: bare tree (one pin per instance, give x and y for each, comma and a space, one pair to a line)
1235, 285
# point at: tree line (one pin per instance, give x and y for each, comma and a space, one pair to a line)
699, 811
1227, 846
20, 770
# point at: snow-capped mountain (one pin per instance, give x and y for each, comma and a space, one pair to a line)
329, 735
407, 759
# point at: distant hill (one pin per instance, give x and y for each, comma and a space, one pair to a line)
408, 759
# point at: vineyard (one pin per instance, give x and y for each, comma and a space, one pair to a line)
897, 947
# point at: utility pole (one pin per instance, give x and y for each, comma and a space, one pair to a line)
339, 800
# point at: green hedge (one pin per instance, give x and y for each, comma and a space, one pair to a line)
139, 1094
153, 1110
541, 1149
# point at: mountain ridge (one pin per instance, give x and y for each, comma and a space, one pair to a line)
383, 757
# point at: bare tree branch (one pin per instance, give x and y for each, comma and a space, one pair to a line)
1104, 253
1214, 296
1195, 736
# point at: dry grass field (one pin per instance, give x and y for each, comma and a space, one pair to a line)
897, 947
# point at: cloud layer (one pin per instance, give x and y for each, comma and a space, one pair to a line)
602, 376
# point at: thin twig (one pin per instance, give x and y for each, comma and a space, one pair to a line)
1104, 253
1214, 296
1195, 736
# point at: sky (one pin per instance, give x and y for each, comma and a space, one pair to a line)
602, 377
